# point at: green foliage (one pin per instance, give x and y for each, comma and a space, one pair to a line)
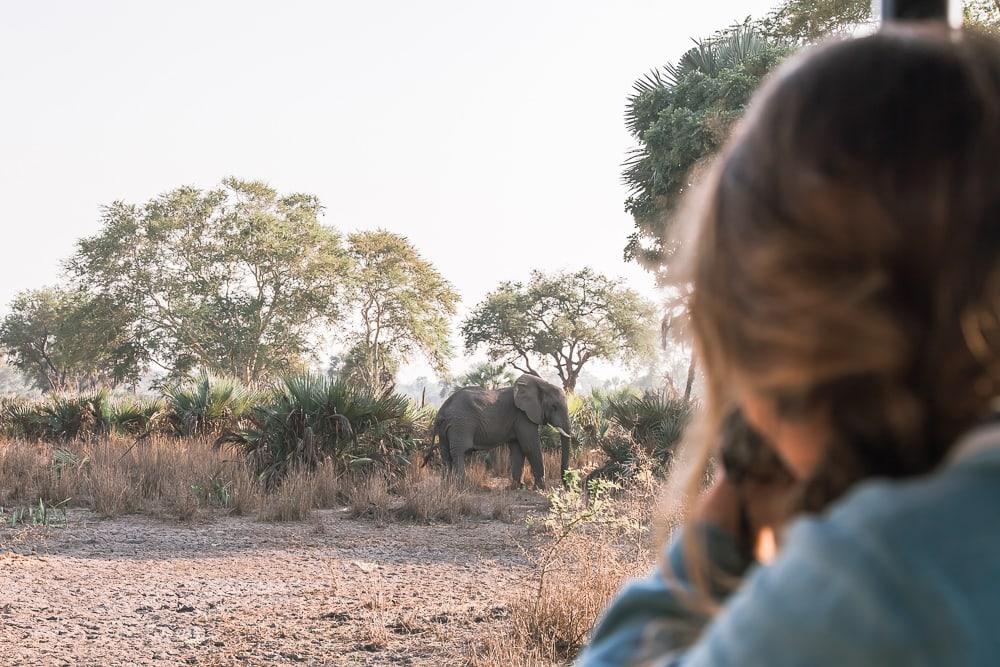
206, 405
403, 305
216, 492
681, 114
41, 514
636, 432
83, 415
805, 21
233, 280
486, 375
563, 320
134, 415
653, 420
308, 418
64, 339
61, 417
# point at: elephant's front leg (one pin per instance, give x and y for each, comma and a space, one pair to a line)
531, 445
516, 464
537, 471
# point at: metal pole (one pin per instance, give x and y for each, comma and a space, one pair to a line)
909, 10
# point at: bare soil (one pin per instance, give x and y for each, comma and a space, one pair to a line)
234, 591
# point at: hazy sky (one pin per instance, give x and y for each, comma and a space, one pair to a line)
489, 133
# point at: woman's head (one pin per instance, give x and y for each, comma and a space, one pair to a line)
845, 287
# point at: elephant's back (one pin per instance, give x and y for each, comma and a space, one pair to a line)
474, 398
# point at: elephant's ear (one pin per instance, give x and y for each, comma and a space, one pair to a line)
528, 398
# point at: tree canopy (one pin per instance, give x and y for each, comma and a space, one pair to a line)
64, 339
561, 320
805, 21
232, 280
680, 114
402, 304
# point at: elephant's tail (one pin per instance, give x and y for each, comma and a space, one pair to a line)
428, 452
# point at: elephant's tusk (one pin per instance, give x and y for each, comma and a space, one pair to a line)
563, 433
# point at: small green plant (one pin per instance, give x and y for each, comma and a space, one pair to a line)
216, 493
41, 514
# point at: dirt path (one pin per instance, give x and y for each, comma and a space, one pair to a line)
332, 591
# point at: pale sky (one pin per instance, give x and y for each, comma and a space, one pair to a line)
489, 133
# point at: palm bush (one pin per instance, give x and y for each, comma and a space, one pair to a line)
133, 415
84, 415
209, 404
637, 433
23, 418
654, 420
308, 418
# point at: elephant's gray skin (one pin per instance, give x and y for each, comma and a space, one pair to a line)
478, 419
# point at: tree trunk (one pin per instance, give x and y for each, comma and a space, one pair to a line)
689, 385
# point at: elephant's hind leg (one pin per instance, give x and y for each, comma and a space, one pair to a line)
459, 443
445, 449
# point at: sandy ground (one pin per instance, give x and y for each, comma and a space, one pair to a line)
235, 591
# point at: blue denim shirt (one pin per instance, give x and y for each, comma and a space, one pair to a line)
896, 573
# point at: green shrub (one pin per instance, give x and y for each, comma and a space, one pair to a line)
655, 421
308, 418
209, 404
133, 415
636, 432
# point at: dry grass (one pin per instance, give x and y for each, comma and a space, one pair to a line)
292, 500
577, 570
368, 496
115, 476
550, 621
185, 478
428, 497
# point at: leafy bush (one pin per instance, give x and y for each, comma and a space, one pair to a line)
653, 420
308, 418
208, 405
23, 418
133, 415
637, 433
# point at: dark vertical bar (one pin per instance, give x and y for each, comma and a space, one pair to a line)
909, 10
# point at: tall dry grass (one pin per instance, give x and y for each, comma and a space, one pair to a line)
113, 476
549, 621
584, 559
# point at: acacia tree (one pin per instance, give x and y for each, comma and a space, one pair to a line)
64, 339
234, 280
562, 320
403, 306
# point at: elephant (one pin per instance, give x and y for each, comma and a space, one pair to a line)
476, 419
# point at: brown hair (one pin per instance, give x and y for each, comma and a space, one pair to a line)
844, 260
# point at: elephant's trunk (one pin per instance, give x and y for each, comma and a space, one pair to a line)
564, 461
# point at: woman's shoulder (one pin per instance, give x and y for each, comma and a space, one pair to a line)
926, 549
959, 500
